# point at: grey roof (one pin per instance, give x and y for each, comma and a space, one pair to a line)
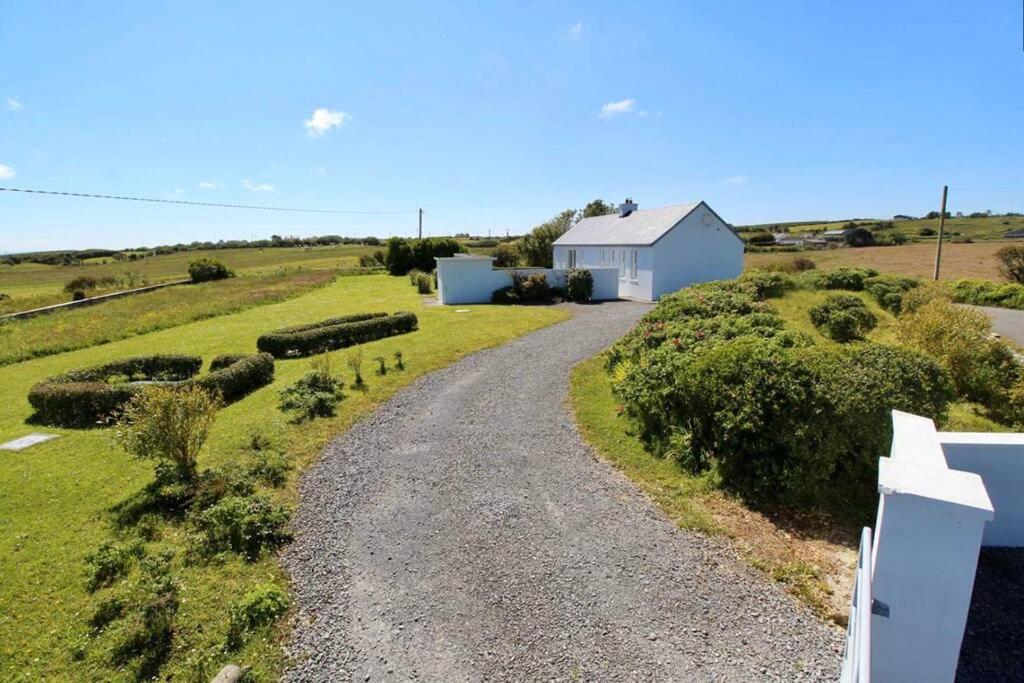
644, 226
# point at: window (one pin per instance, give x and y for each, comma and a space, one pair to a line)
603, 261
633, 266
572, 258
622, 263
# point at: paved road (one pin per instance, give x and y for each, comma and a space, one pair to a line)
1006, 322
464, 532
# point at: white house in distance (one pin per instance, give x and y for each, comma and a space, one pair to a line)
656, 251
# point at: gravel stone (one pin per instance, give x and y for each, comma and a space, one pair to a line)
993, 646
465, 532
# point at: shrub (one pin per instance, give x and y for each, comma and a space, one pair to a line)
859, 237
207, 269
77, 295
761, 238
405, 254
840, 278
926, 232
110, 562
985, 293
1011, 263
531, 288
108, 610
315, 394
169, 426
247, 525
766, 284
505, 296
982, 369
83, 398
234, 376
355, 364
259, 607
843, 317
86, 282
382, 367
424, 283
506, 255
335, 333
399, 363
579, 284
888, 290
270, 466
802, 263
212, 485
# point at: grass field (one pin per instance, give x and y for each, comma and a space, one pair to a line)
958, 260
122, 318
33, 284
57, 497
981, 228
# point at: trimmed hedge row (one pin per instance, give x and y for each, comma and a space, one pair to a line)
84, 398
335, 333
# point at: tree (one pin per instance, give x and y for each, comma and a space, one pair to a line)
1011, 263
598, 207
860, 237
207, 269
536, 247
506, 255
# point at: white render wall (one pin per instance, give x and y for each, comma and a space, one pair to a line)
701, 248
611, 257
473, 279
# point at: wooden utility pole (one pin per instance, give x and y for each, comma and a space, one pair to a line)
942, 226
421, 219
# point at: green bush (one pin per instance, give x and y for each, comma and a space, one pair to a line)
424, 283
843, 317
579, 284
851, 279
1011, 263
259, 607
985, 293
405, 254
766, 284
335, 333
247, 525
84, 398
505, 296
234, 376
110, 562
531, 288
712, 378
152, 616
207, 269
315, 394
169, 426
888, 290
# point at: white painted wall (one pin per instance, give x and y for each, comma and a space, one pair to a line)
999, 460
472, 279
700, 249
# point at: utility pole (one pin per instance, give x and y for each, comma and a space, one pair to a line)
421, 221
942, 226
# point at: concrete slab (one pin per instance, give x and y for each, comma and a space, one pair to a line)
24, 442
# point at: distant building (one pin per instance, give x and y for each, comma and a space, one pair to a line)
1014, 235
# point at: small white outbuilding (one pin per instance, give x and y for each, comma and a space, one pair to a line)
656, 251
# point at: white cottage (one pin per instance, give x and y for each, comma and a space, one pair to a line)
656, 251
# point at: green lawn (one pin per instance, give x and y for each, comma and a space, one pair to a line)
79, 328
34, 284
980, 228
57, 497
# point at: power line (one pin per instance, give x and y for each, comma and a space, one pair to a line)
454, 222
217, 205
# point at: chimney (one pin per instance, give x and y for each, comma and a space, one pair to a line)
627, 207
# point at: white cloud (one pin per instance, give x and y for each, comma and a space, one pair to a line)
6, 171
210, 185
323, 120
736, 179
178, 191
14, 104
257, 187
576, 30
616, 108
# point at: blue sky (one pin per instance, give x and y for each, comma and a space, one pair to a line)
498, 115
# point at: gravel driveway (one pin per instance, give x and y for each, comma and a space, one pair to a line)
464, 532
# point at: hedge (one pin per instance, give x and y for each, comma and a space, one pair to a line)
335, 333
91, 396
234, 376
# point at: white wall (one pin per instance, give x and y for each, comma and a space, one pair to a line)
999, 460
700, 249
472, 279
640, 287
